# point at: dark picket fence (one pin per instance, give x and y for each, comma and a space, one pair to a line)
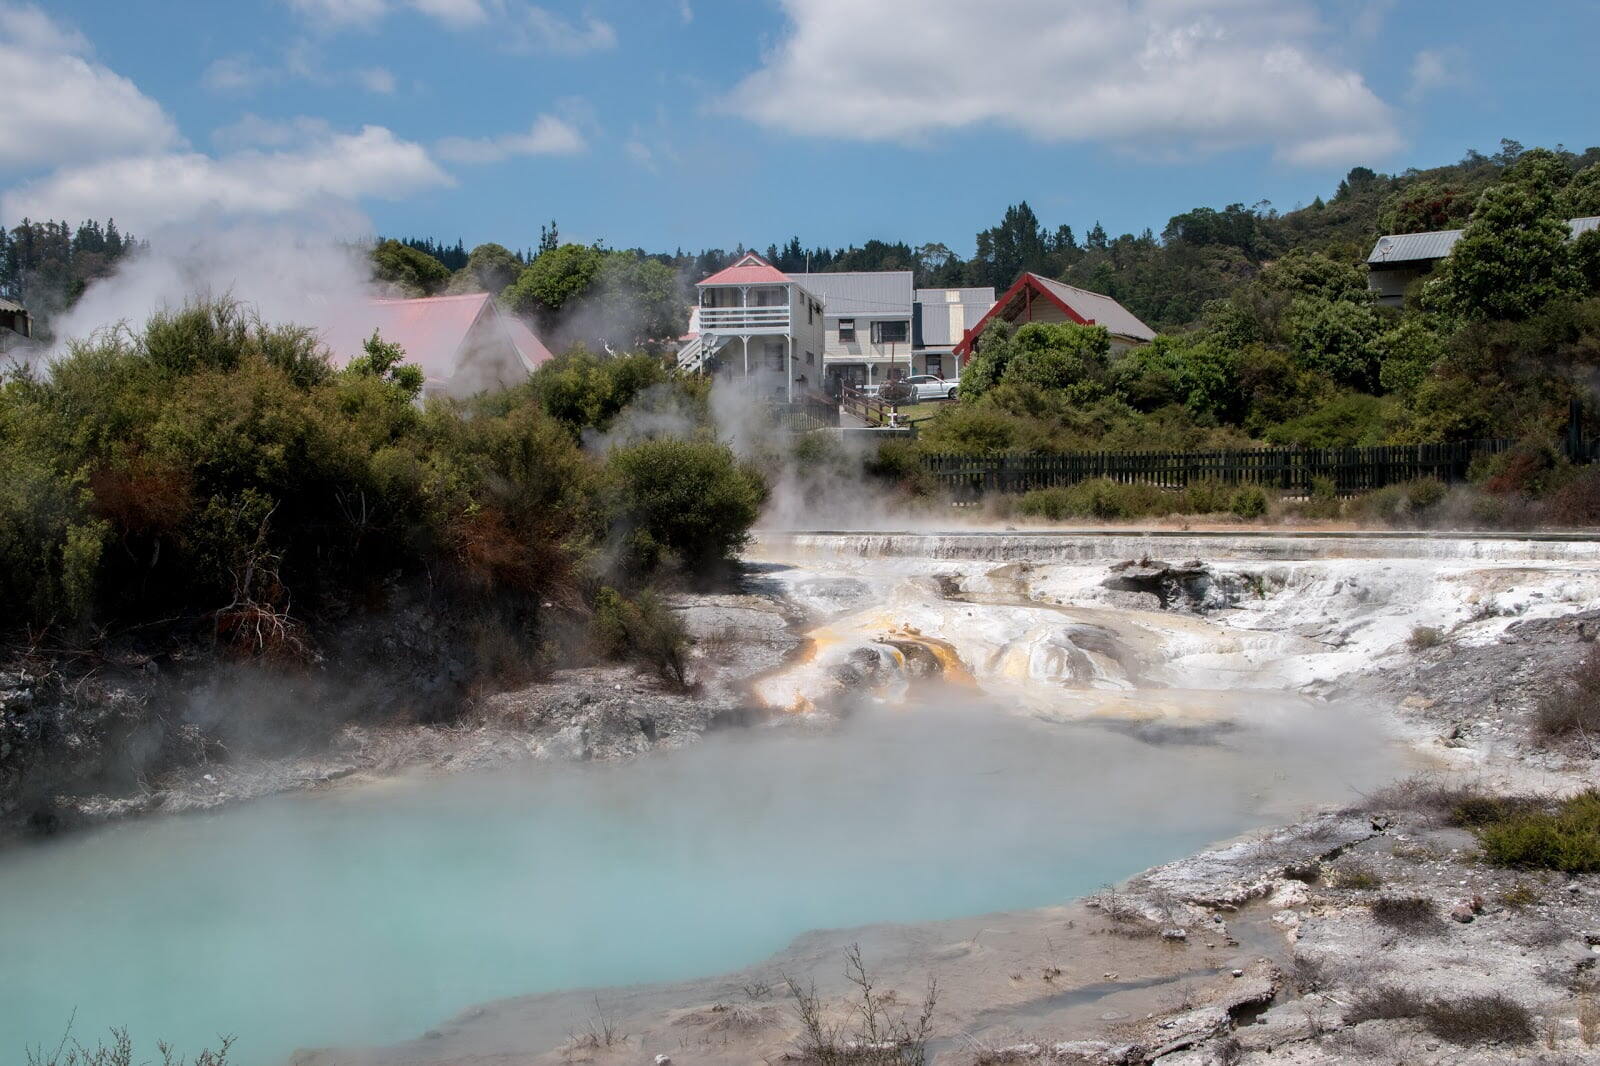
1288, 470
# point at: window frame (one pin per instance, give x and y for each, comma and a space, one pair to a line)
902, 327
847, 330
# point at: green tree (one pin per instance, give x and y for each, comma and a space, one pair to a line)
490, 268
554, 280
1060, 357
993, 351
386, 361
1172, 370
1581, 196
1514, 257
1307, 273
413, 272
680, 503
1407, 353
638, 300
1337, 338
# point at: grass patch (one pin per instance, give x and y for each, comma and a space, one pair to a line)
1467, 1020
1565, 838
1357, 876
1408, 914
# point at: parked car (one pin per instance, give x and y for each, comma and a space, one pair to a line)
924, 387
930, 387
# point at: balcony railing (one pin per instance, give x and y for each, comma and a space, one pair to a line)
750, 320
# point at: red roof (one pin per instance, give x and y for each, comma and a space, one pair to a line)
1079, 305
751, 269
433, 331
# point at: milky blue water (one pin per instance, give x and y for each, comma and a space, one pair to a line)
366, 915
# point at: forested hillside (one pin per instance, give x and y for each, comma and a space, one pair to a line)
47, 265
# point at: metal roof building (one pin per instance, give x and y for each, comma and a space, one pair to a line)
861, 293
1038, 299
945, 315
1436, 244
1400, 259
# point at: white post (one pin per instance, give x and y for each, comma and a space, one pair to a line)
789, 368
746, 340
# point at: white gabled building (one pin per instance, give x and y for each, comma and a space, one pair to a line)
868, 316
752, 321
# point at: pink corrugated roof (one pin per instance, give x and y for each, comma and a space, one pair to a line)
749, 270
534, 353
432, 331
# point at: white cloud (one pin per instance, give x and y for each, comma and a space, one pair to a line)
342, 12
640, 153
1154, 76
548, 135
376, 80
1434, 69
538, 29
302, 60
328, 172
454, 12
254, 131
59, 105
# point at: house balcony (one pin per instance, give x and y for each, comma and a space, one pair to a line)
745, 321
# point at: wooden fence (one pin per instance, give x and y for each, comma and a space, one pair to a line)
1288, 470
806, 414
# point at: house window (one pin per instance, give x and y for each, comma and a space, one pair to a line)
891, 332
847, 329
935, 365
810, 359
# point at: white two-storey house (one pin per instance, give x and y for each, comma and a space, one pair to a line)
755, 323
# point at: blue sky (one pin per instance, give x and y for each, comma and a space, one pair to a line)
700, 123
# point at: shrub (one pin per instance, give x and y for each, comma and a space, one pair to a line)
1573, 707
643, 628
681, 503
1479, 1020
1424, 637
1249, 503
1357, 877
1410, 914
1566, 839
1467, 1020
1385, 1004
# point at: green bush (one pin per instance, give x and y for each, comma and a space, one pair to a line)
643, 628
1566, 838
213, 467
1249, 503
681, 504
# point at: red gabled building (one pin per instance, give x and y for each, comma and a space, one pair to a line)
1038, 299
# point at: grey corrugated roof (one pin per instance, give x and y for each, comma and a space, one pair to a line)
1411, 247
861, 293
1100, 310
942, 327
1416, 247
10, 305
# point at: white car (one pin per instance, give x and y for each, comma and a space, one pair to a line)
930, 387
